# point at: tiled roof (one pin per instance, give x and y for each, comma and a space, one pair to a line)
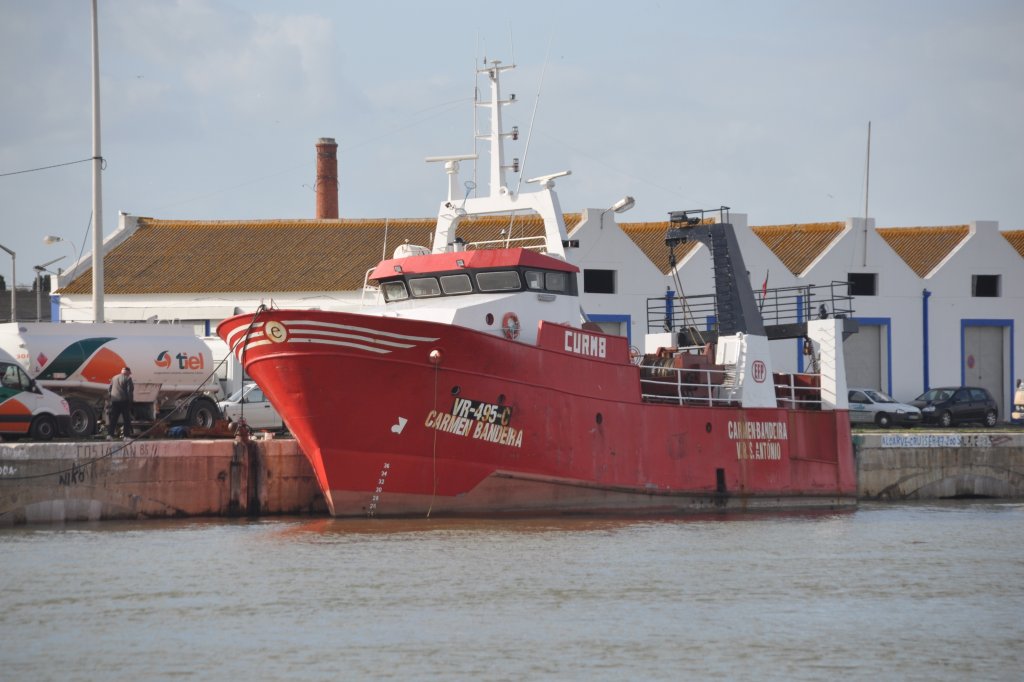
650, 237
1016, 239
797, 246
188, 256
923, 248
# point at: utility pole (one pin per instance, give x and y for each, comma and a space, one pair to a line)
97, 167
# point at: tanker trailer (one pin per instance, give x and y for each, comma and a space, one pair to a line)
170, 365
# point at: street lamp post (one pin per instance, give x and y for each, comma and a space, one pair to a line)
14, 298
51, 239
620, 206
40, 269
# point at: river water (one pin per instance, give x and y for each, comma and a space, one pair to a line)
908, 592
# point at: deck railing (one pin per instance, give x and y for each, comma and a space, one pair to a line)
719, 386
780, 306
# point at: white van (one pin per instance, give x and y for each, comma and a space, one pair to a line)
1017, 415
26, 408
868, 406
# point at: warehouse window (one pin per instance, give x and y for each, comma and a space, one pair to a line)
863, 283
599, 281
985, 286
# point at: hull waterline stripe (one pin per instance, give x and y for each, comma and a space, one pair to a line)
372, 349
326, 342
328, 328
340, 335
305, 324
249, 346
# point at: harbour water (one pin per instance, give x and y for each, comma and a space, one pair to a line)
910, 592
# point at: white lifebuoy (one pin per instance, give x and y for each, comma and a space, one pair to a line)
510, 326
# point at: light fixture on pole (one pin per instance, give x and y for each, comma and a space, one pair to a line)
620, 206
52, 239
14, 298
623, 204
40, 269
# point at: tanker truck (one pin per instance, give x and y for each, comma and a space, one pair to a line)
170, 365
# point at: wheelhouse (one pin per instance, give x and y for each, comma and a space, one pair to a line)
499, 271
458, 283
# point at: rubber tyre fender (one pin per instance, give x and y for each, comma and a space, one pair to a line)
44, 427
203, 413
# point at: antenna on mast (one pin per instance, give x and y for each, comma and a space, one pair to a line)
511, 44
867, 191
533, 116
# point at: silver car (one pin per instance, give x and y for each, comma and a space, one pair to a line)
253, 404
868, 405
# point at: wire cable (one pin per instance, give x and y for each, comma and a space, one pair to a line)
103, 166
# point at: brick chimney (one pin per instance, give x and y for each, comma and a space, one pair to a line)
326, 178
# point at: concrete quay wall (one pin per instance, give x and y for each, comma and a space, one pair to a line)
940, 464
57, 482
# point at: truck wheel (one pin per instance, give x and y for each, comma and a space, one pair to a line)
44, 427
202, 413
83, 419
946, 419
882, 420
990, 418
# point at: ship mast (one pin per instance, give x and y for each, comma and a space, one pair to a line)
498, 167
499, 200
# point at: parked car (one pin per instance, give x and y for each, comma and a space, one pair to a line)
870, 406
250, 402
955, 404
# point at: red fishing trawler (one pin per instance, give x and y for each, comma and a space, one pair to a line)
478, 387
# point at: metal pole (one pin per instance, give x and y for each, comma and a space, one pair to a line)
14, 298
867, 190
97, 190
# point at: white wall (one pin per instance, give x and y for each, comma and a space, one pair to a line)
603, 246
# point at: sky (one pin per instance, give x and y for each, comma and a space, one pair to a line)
211, 109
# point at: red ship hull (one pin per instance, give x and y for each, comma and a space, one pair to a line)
406, 417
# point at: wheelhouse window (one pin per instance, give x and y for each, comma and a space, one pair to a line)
395, 291
424, 287
402, 287
863, 283
456, 284
556, 281
986, 286
502, 280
